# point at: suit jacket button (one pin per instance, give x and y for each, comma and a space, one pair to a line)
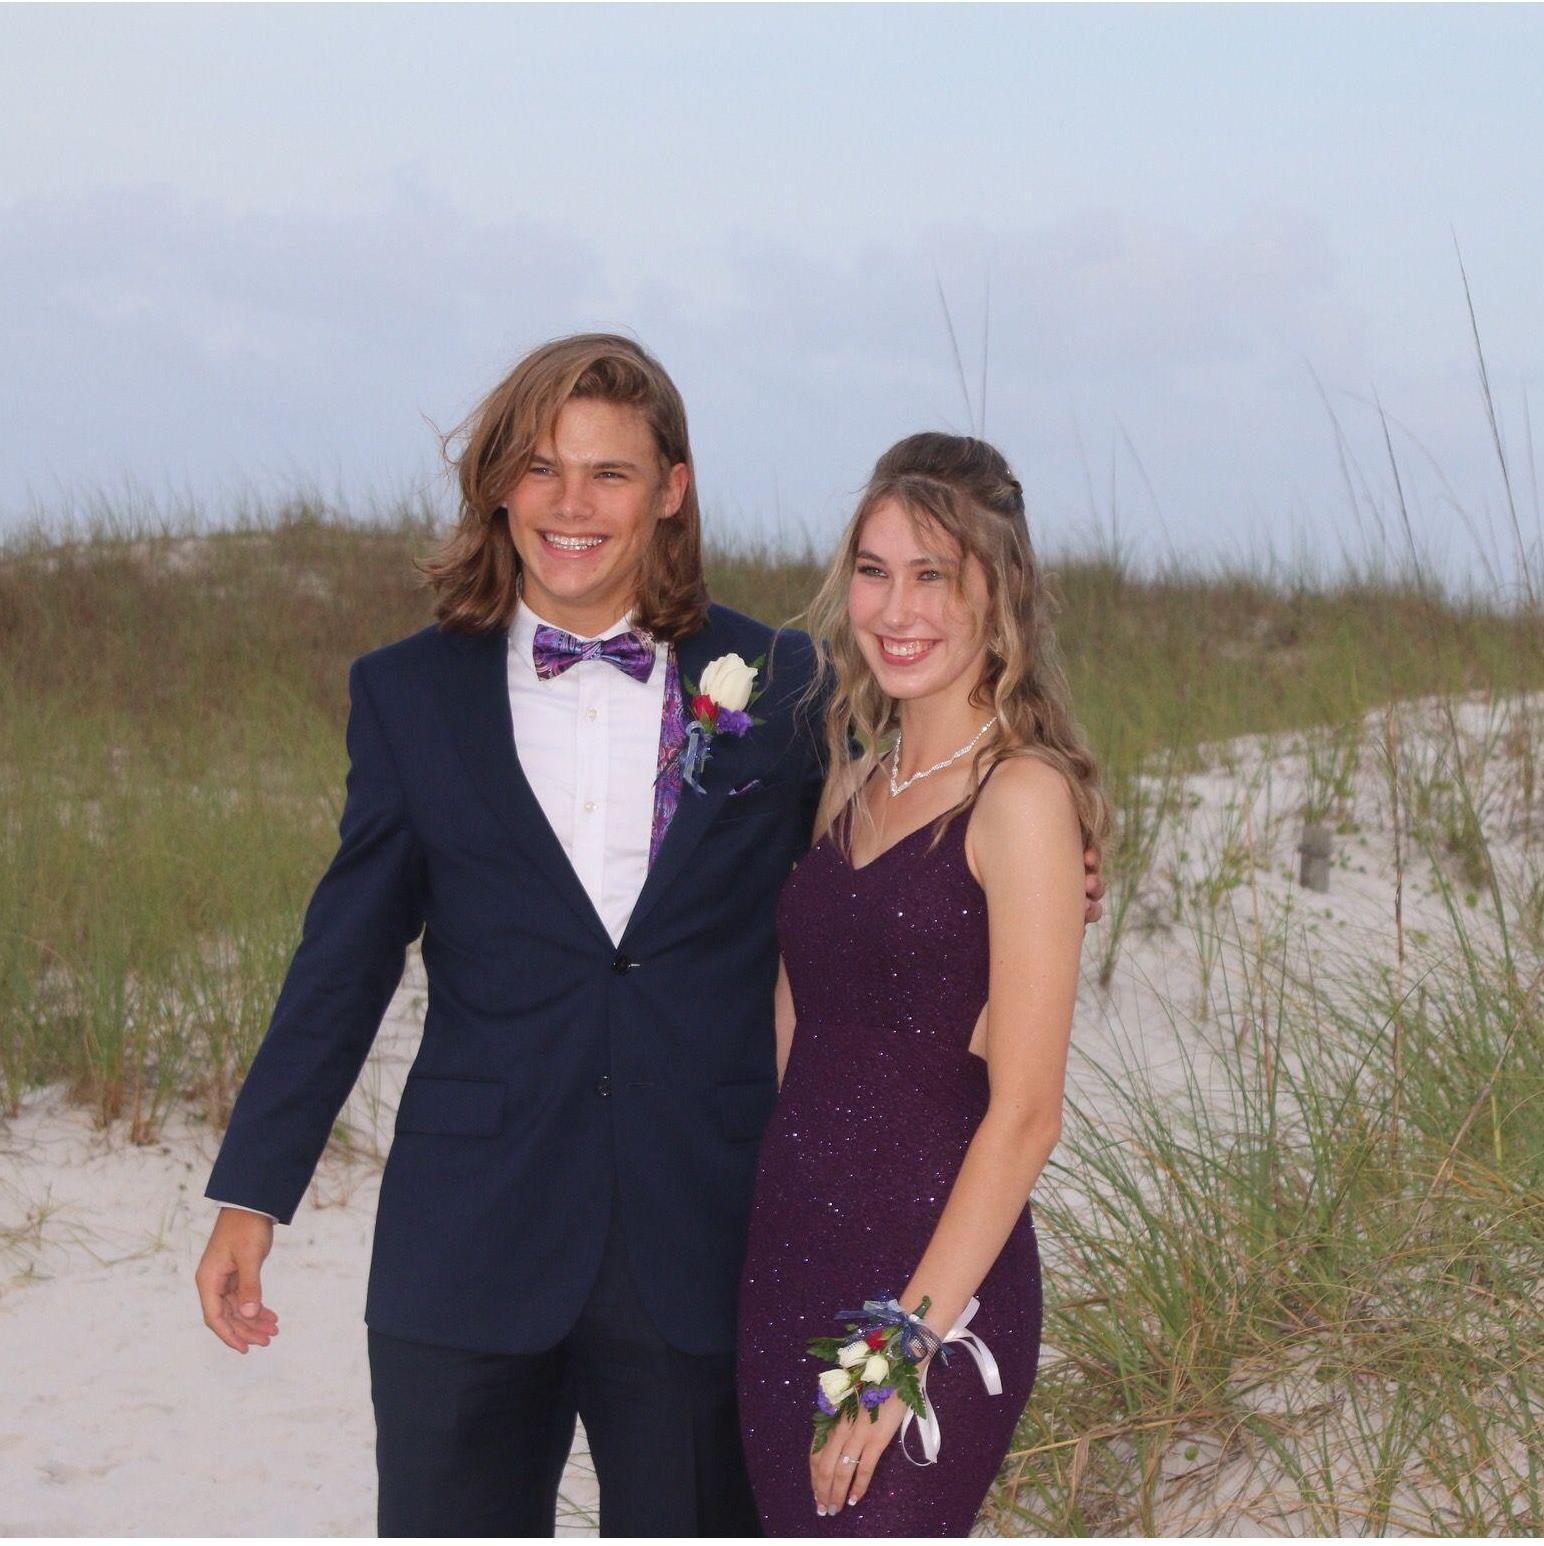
621, 964
603, 1085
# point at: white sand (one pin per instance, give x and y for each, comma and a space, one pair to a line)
124, 1415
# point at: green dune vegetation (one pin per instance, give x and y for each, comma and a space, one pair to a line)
1303, 1292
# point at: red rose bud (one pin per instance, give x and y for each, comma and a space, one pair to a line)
703, 707
875, 1339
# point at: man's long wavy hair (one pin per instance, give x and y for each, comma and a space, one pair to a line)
475, 575
961, 486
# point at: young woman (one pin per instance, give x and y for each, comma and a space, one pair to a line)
930, 944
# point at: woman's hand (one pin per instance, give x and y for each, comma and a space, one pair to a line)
837, 1484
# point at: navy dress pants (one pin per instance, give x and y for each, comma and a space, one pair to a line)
472, 1444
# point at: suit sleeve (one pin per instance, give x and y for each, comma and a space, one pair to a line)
365, 911
238, 1206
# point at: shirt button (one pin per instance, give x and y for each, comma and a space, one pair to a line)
591, 713
603, 1085
589, 805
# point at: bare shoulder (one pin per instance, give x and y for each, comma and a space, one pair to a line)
1026, 810
1025, 790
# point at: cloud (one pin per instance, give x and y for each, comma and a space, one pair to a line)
154, 332
164, 336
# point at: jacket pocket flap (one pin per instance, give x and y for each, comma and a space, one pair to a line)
472, 1108
744, 1106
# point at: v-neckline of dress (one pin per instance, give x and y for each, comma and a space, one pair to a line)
884, 853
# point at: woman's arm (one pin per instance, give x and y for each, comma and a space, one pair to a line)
783, 1019
1026, 847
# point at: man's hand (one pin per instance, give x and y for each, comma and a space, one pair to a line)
229, 1281
1093, 910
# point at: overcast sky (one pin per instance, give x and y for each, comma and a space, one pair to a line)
253, 247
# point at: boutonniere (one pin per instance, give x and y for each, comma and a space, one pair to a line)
718, 705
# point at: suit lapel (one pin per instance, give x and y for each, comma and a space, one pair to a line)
695, 811
474, 685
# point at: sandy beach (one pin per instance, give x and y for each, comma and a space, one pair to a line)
125, 1416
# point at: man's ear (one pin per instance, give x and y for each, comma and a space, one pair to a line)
673, 494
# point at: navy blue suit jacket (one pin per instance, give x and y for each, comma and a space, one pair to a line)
555, 1065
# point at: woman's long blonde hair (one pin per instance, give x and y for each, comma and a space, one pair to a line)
961, 486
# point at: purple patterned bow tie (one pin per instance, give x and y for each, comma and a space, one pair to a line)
555, 651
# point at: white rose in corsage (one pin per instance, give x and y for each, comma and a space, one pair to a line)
880, 1363
718, 707
835, 1384
875, 1368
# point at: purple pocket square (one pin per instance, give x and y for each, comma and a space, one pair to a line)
745, 788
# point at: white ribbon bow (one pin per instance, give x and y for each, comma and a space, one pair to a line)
932, 1436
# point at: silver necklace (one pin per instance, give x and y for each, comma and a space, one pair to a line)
895, 765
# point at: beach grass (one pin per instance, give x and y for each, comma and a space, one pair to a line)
1306, 1294
1301, 1295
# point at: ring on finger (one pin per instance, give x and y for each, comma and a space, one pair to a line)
848, 1460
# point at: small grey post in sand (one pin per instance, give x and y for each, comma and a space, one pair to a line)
1314, 871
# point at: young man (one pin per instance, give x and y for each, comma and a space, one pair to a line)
562, 1217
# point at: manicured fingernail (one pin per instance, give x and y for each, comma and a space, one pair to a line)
249, 1309
819, 1510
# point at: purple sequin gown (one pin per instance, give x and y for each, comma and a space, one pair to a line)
888, 966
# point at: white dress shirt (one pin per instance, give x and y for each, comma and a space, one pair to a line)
588, 743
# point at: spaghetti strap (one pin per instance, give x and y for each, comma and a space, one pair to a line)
989, 772
964, 821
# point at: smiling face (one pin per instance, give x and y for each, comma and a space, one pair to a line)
918, 636
583, 514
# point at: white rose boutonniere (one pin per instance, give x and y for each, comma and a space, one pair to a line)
728, 682
718, 705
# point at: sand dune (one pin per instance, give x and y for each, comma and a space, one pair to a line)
124, 1415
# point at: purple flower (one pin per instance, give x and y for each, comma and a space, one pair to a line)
875, 1394
734, 721
824, 1405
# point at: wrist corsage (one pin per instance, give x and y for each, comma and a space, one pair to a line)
876, 1361
879, 1359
